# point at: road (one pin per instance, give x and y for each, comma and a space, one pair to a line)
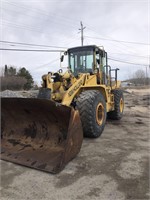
112, 167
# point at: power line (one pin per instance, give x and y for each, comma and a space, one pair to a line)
123, 61
127, 48
34, 50
53, 51
21, 43
65, 18
41, 50
134, 55
38, 29
45, 65
140, 43
41, 45
23, 26
43, 13
47, 14
29, 28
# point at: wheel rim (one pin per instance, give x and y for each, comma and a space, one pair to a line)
100, 113
121, 105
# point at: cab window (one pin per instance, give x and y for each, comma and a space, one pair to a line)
81, 62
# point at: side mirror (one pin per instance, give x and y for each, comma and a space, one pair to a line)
65, 53
62, 58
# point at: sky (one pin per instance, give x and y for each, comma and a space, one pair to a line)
56, 23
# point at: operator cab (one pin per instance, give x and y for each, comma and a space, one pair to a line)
86, 59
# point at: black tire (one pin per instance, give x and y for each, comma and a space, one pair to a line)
44, 93
119, 105
92, 108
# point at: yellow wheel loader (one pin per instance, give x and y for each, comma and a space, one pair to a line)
47, 132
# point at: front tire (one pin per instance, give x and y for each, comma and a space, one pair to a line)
92, 108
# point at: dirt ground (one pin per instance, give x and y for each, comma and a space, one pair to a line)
112, 167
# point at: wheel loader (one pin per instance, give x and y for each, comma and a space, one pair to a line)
46, 132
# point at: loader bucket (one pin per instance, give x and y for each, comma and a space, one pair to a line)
39, 133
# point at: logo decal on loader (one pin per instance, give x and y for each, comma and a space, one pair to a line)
75, 88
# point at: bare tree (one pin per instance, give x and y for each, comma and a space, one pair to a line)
139, 77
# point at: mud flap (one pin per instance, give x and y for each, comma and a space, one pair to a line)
39, 133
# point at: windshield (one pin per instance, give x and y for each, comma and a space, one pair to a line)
81, 61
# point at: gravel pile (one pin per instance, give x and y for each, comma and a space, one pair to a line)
9, 93
19, 94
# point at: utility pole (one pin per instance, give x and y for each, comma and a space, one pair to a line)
146, 71
146, 79
81, 29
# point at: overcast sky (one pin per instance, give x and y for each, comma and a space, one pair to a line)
57, 23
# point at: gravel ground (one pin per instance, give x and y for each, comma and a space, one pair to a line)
112, 167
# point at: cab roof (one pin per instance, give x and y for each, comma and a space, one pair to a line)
87, 47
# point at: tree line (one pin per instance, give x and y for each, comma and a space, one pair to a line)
140, 78
14, 79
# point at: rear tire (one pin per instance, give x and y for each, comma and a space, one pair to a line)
92, 108
119, 105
